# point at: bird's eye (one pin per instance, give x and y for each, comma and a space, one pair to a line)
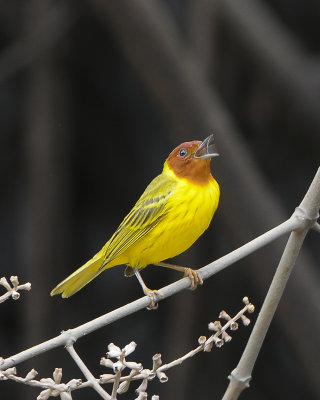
183, 152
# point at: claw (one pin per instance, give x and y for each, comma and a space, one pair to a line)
194, 277
154, 296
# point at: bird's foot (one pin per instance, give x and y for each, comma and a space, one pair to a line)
154, 297
190, 273
194, 277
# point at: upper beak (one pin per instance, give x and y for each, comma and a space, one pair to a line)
206, 149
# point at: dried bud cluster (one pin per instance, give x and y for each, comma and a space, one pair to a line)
12, 291
122, 384
221, 335
53, 386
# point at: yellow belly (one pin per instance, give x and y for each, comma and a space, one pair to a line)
190, 215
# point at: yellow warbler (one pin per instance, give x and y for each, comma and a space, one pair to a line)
174, 210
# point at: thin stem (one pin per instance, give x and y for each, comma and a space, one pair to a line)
86, 372
115, 385
60, 387
180, 360
5, 297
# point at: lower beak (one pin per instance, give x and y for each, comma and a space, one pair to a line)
206, 149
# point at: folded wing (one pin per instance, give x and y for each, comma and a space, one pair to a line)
150, 209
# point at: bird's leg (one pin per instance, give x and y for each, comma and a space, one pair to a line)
152, 294
192, 274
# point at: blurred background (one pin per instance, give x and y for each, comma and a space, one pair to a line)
94, 95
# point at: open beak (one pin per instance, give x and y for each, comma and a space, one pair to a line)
206, 149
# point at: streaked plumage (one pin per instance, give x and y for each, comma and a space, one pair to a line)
174, 210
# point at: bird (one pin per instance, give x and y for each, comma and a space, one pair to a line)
172, 213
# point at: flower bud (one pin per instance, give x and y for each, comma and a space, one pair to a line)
157, 362
208, 347
162, 376
142, 396
106, 378
65, 396
143, 386
44, 395
129, 348
215, 326
11, 371
114, 351
123, 387
14, 280
57, 375
202, 340
74, 383
245, 300
15, 295
133, 365
245, 320
224, 315
250, 308
106, 362
25, 286
5, 283
234, 326
30, 375
226, 336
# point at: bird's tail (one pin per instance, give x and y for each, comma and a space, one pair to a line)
82, 276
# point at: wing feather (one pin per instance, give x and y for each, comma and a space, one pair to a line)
149, 210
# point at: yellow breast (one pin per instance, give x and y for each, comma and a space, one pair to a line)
190, 212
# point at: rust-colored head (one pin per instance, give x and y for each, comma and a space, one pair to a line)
191, 160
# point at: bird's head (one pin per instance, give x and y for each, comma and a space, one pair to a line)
191, 160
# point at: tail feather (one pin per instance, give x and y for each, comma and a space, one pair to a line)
81, 277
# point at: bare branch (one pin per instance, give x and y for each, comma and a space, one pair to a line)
72, 335
84, 369
54, 387
309, 210
302, 220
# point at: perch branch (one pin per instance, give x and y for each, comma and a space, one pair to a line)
72, 335
300, 220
